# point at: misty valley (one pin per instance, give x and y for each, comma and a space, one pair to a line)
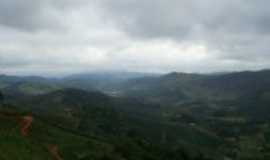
136, 116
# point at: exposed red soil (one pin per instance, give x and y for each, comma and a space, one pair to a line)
25, 123
54, 150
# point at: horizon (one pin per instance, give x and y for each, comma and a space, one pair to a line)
108, 72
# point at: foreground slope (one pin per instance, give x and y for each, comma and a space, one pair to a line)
66, 115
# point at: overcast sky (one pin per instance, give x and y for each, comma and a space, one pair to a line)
55, 37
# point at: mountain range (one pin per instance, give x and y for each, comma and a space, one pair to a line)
137, 116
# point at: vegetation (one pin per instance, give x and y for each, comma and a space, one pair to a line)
170, 117
1, 98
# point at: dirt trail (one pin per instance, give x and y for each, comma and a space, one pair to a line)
54, 150
25, 123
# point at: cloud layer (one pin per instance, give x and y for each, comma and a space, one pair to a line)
49, 37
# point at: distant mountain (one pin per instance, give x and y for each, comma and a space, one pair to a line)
110, 75
27, 85
35, 85
171, 88
177, 87
103, 81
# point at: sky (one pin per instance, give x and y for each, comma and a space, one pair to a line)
57, 37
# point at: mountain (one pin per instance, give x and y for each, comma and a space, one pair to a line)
35, 85
27, 85
102, 81
178, 87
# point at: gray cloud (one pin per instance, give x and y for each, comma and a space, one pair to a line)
238, 28
33, 15
24, 15
137, 35
176, 17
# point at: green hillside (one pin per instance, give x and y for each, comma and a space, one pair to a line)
174, 116
95, 127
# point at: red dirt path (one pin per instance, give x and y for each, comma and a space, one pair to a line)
25, 123
54, 150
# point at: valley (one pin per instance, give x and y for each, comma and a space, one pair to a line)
174, 116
